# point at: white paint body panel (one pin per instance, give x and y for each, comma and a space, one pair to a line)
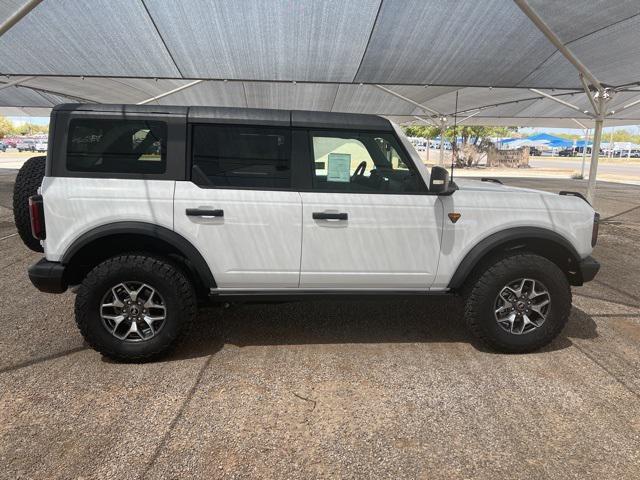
256, 244
269, 240
74, 206
388, 241
487, 209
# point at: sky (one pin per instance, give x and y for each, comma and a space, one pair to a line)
32, 120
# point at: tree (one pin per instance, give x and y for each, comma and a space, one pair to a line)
6, 127
478, 136
424, 131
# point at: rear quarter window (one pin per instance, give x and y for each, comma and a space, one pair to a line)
117, 146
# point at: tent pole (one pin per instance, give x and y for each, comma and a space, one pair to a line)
595, 151
555, 40
611, 143
170, 92
15, 82
584, 152
17, 16
408, 100
558, 100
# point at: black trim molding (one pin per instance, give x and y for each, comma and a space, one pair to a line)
169, 236
480, 251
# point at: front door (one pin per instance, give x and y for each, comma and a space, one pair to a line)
238, 209
368, 222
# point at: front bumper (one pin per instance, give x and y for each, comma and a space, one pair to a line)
587, 268
48, 276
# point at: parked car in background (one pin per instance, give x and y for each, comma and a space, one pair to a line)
3, 147
567, 152
534, 151
26, 145
10, 142
41, 146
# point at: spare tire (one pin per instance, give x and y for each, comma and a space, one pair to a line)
27, 183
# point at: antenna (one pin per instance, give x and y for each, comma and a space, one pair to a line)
454, 145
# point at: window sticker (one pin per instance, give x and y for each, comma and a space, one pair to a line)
339, 167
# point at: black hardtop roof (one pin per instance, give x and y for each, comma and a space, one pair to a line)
232, 115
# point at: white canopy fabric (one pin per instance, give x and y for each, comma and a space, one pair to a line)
324, 55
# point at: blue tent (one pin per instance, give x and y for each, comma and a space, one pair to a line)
551, 140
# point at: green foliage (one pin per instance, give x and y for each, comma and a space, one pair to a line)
424, 131
7, 128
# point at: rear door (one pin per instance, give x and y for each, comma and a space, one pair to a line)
239, 208
368, 221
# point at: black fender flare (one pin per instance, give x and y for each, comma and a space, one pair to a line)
172, 238
510, 235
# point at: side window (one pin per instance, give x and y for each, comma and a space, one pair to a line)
116, 146
362, 162
242, 157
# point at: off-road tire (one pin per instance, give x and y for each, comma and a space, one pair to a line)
162, 275
484, 287
28, 181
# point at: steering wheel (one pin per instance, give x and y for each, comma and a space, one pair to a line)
359, 170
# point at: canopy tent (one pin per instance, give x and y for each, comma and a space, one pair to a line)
521, 62
539, 140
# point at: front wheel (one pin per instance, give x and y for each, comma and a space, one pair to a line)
134, 307
518, 304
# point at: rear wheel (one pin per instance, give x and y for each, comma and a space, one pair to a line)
519, 303
135, 307
28, 181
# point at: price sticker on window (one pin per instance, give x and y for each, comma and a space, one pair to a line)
338, 168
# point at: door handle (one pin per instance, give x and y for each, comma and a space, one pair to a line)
330, 216
203, 212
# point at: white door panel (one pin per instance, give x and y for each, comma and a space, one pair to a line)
256, 243
387, 242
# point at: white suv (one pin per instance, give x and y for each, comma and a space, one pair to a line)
151, 210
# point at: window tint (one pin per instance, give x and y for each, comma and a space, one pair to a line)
116, 146
243, 157
362, 162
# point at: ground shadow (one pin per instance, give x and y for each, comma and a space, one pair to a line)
419, 320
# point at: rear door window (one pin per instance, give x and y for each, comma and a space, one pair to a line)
117, 146
241, 156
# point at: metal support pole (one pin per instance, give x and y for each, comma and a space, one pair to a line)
15, 82
558, 100
611, 144
170, 92
595, 151
19, 15
584, 152
553, 38
441, 161
408, 100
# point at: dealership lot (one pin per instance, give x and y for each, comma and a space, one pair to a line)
389, 389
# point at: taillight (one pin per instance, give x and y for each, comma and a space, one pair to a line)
36, 212
594, 233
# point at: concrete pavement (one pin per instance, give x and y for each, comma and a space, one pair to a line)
392, 389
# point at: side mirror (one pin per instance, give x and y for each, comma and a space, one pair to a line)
439, 181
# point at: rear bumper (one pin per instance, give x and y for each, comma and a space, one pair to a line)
48, 276
588, 268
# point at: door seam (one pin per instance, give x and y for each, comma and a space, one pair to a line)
301, 237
